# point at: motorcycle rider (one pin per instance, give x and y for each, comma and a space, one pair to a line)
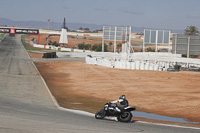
123, 103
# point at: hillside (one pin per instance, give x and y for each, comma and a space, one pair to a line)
57, 25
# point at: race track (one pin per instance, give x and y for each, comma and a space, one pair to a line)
27, 107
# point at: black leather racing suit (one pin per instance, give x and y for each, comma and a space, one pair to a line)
123, 104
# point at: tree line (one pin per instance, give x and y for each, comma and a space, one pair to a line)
95, 47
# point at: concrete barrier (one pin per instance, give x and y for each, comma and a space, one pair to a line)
160, 69
142, 65
146, 66
151, 67
133, 65
137, 65
155, 68
38, 46
116, 64
66, 49
128, 65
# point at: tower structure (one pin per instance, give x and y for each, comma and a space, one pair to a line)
63, 37
64, 24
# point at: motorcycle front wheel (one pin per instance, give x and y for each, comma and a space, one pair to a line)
125, 116
100, 114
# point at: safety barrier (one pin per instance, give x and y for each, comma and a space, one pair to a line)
89, 60
57, 48
137, 61
134, 65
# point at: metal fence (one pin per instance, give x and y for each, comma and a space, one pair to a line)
156, 37
113, 33
117, 34
186, 45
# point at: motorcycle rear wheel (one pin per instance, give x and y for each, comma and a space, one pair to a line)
125, 116
100, 114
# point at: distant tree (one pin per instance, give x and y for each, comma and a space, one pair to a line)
95, 31
149, 49
50, 42
55, 44
87, 46
81, 45
110, 43
119, 45
87, 29
84, 46
191, 30
98, 48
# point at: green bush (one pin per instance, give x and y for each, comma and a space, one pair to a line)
149, 49
53, 43
81, 46
84, 46
119, 45
88, 46
98, 47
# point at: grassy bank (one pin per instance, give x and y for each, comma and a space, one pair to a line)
2, 36
26, 45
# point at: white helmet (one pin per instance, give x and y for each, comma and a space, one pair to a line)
122, 97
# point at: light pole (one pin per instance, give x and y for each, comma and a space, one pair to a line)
48, 23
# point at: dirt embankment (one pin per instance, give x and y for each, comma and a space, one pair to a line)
89, 87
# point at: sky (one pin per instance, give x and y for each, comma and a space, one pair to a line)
157, 14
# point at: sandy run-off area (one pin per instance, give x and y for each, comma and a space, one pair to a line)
88, 87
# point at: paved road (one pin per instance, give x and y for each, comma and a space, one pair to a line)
26, 106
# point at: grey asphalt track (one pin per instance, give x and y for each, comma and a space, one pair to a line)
27, 107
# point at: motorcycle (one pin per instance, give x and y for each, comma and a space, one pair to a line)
122, 115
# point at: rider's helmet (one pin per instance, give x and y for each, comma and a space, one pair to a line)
122, 97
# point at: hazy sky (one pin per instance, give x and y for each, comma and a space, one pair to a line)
160, 14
